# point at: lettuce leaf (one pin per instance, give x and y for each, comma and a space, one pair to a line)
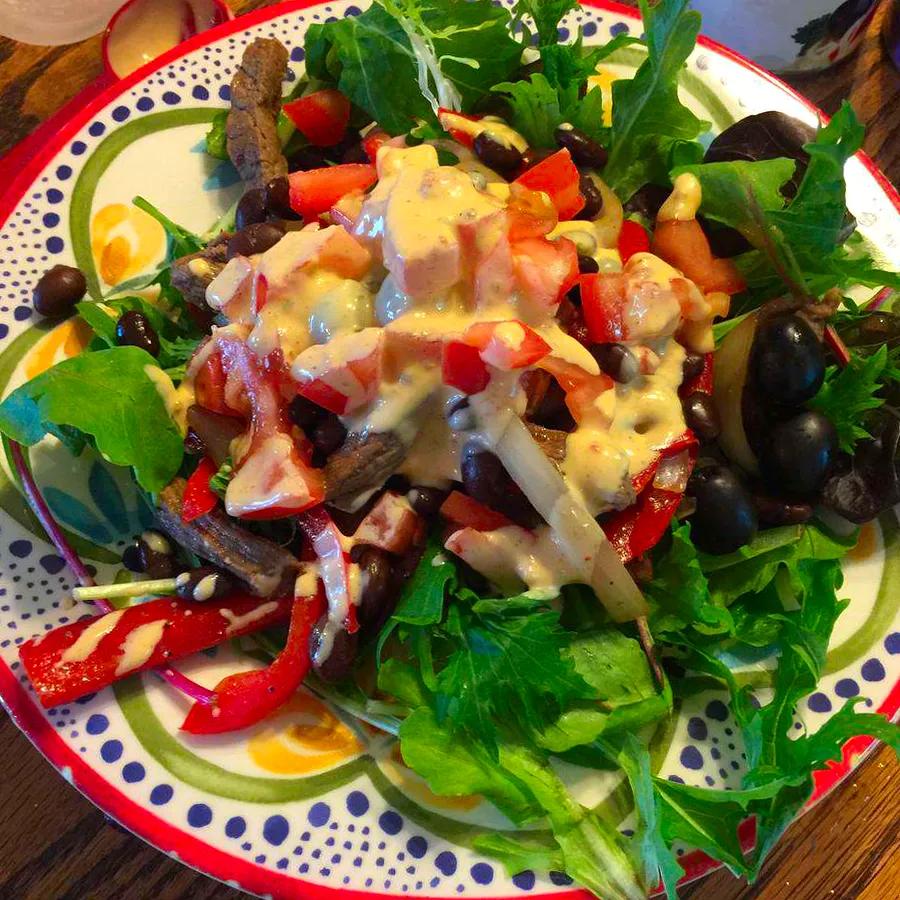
109, 396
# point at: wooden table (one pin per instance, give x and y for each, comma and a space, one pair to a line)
54, 845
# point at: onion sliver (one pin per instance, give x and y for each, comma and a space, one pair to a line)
673, 472
580, 537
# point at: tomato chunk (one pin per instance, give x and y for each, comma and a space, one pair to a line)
316, 191
507, 345
462, 510
603, 303
545, 269
682, 244
633, 238
321, 117
463, 368
458, 126
560, 180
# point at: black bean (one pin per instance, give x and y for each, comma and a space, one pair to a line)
306, 158
194, 444
495, 154
693, 366
251, 208
378, 597
700, 416
426, 501
202, 584
355, 153
278, 198
134, 330
585, 151
339, 662
155, 555
551, 410
337, 152
570, 316
533, 155
328, 435
58, 290
593, 199
489, 483
255, 238
617, 361
773, 511
304, 413
131, 558
587, 265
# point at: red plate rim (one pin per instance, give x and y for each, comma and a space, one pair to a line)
174, 841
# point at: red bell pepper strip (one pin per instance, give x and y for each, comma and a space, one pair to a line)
91, 654
633, 238
316, 191
463, 368
334, 563
372, 141
321, 117
462, 510
199, 497
560, 180
456, 125
603, 303
245, 698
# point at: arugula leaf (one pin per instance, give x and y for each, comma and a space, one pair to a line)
848, 393
109, 396
509, 655
220, 481
216, 136
400, 59
181, 241
521, 854
679, 590
546, 15
647, 115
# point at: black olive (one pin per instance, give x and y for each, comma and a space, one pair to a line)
693, 366
551, 410
646, 201
725, 518
134, 330
202, 584
700, 416
251, 208
617, 361
587, 265
339, 662
426, 501
328, 435
304, 413
155, 555
788, 362
58, 290
278, 198
489, 483
378, 597
256, 238
355, 153
131, 558
593, 199
495, 154
798, 453
337, 152
306, 158
585, 151
773, 511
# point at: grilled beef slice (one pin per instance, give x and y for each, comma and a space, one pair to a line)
362, 463
251, 132
192, 274
267, 569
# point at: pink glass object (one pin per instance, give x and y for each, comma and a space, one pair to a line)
143, 29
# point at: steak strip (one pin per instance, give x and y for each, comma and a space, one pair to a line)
362, 463
251, 130
267, 569
192, 274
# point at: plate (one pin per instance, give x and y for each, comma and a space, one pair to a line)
306, 805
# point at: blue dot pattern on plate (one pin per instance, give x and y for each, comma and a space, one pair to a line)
335, 839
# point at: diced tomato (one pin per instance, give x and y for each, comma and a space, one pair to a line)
391, 525
372, 141
633, 238
463, 368
507, 345
560, 180
581, 388
603, 302
462, 510
454, 123
683, 245
316, 191
199, 497
321, 117
545, 270
323, 394
530, 213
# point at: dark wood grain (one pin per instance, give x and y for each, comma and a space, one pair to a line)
54, 845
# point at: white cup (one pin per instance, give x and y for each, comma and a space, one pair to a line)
788, 35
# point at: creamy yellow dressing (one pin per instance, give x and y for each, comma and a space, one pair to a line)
139, 645
89, 639
176, 399
237, 623
265, 482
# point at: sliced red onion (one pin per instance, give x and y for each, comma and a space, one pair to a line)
39, 506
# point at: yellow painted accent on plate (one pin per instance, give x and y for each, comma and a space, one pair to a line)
307, 737
67, 339
124, 240
415, 786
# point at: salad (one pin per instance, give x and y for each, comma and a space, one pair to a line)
502, 406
